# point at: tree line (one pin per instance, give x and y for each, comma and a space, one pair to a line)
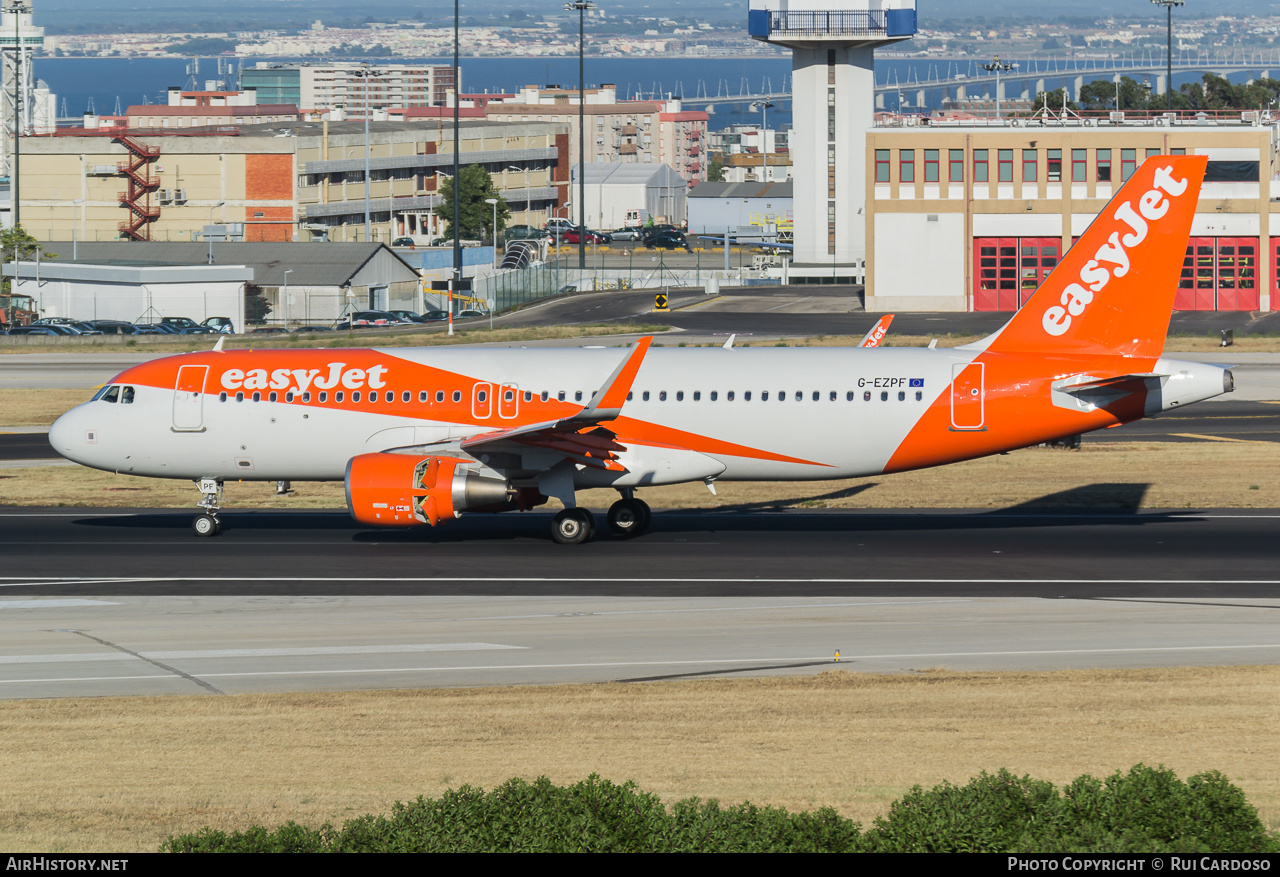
1212, 93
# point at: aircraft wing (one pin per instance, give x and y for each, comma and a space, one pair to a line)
581, 437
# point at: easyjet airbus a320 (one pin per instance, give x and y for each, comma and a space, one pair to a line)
422, 435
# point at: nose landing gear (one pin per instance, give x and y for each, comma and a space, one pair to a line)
207, 523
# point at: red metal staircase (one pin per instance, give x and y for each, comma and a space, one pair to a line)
141, 184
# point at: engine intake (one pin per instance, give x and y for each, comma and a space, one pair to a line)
398, 490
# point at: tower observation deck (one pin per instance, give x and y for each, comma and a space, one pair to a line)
833, 106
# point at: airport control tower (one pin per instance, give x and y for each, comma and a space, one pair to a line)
832, 104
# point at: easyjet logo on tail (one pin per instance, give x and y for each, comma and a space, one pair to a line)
1112, 259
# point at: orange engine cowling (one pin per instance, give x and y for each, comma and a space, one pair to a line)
399, 490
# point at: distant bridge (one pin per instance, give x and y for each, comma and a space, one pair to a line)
961, 78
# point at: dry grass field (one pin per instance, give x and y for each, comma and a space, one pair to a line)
121, 774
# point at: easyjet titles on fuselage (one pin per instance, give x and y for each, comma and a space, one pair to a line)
1093, 276
300, 379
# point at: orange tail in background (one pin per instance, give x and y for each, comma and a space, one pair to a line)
1113, 291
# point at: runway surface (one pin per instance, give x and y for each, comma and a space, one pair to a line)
1020, 552
97, 603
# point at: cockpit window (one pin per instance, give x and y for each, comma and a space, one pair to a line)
126, 396
109, 394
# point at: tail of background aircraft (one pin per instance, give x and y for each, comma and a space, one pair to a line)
1113, 291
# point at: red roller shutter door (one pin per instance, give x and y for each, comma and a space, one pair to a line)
1008, 270
1219, 274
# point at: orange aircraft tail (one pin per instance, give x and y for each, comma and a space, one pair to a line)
1113, 291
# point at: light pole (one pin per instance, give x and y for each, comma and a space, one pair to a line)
457, 171
209, 228
1168, 68
79, 202
19, 80
364, 73
493, 202
997, 68
582, 6
287, 272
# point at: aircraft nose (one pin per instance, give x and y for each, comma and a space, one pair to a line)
67, 436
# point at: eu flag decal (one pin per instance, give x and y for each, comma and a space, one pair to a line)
917, 382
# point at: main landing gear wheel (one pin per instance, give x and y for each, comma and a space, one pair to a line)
206, 525
629, 517
573, 526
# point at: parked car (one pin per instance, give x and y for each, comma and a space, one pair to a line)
651, 230
370, 319
435, 316
114, 327
179, 322
472, 312
411, 316
220, 324
198, 330
71, 327
523, 233
303, 329
634, 233
159, 328
593, 237
562, 224
33, 330
269, 330
403, 242
667, 240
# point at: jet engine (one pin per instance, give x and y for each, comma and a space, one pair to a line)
400, 490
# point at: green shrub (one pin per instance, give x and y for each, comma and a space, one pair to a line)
1145, 810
